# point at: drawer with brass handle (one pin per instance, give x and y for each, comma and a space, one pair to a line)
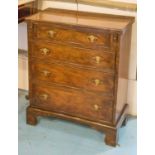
83, 37
67, 75
84, 104
100, 59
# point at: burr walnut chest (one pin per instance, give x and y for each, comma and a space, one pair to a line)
78, 68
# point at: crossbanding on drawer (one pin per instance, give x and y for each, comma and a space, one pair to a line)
72, 102
100, 59
83, 37
73, 77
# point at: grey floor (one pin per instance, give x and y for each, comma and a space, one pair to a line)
58, 137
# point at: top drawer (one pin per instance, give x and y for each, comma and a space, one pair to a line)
82, 36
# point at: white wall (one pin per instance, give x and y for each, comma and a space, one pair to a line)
22, 72
22, 36
132, 100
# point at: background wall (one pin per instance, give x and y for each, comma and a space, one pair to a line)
132, 94
22, 36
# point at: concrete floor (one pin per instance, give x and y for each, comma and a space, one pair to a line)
59, 137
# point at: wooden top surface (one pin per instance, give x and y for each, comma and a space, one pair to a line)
21, 2
84, 19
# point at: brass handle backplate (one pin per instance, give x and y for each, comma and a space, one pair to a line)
44, 51
96, 107
97, 82
92, 38
97, 59
51, 33
46, 73
44, 96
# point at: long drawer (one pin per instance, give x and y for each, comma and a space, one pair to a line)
83, 36
82, 104
73, 76
101, 59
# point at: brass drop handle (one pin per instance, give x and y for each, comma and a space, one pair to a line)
51, 33
92, 38
96, 107
46, 73
97, 82
44, 96
44, 51
97, 59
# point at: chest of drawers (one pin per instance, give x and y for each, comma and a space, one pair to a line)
78, 68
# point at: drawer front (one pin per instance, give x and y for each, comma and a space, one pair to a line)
72, 102
87, 57
73, 77
86, 37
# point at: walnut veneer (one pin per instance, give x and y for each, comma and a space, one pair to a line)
76, 68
